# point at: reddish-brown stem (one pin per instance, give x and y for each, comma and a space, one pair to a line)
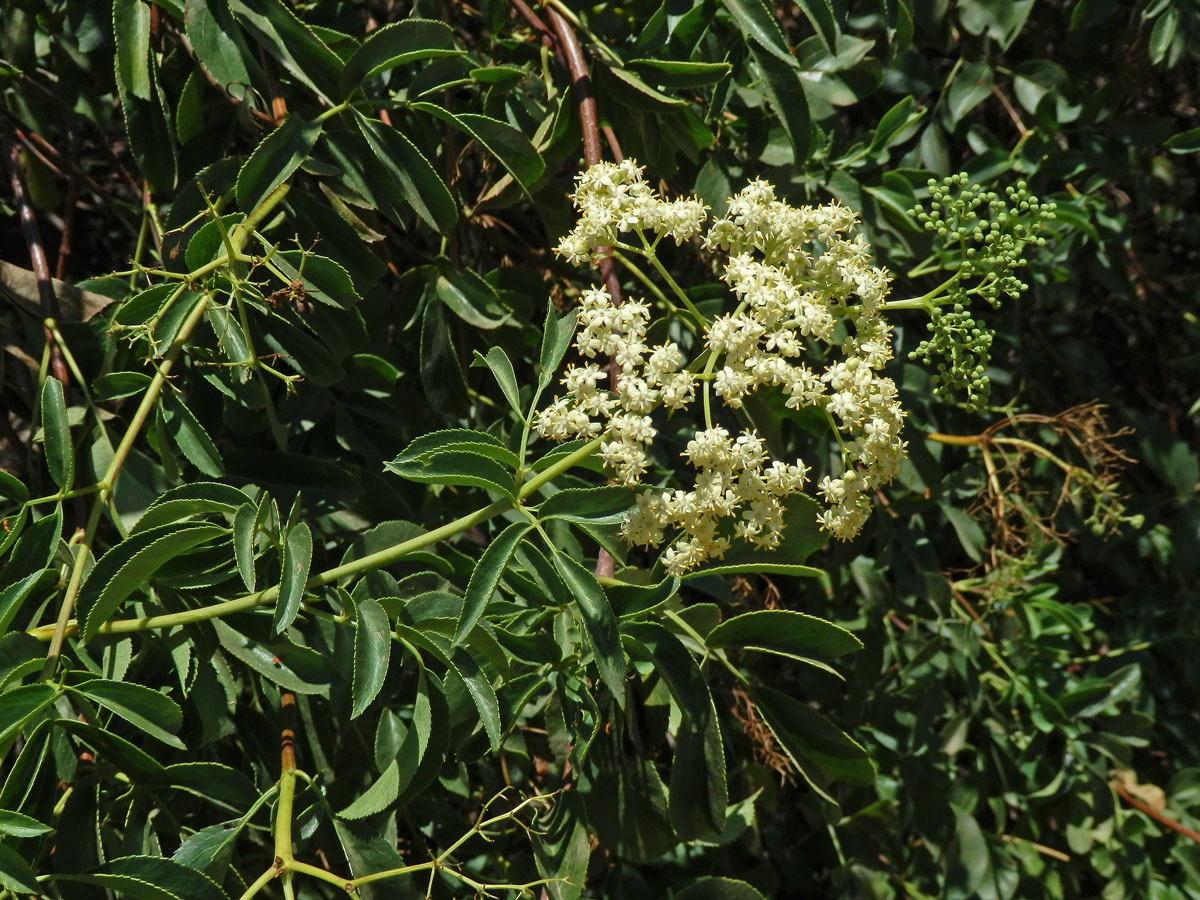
55, 161
589, 122
287, 734
613, 146
278, 102
37, 257
68, 229
539, 28
1153, 813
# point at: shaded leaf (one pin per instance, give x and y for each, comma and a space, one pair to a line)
486, 576
191, 438
502, 369
152, 712
372, 650
604, 505
60, 455
396, 45
714, 888
275, 159
598, 621
557, 332
508, 145
756, 23
410, 174
787, 633
297, 558
150, 878
127, 567
20, 705
822, 752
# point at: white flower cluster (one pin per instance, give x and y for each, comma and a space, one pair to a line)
650, 377
797, 273
733, 481
614, 198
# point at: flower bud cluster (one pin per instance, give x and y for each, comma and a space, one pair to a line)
797, 274
984, 236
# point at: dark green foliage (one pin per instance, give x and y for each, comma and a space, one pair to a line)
313, 288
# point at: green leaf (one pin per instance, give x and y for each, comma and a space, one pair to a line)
502, 369
820, 15
892, 122
186, 500
505, 75
604, 505
970, 87
1162, 34
60, 454
556, 340
297, 557
683, 73
118, 385
382, 793
150, 878
275, 159
458, 439
675, 666
410, 174
20, 825
271, 660
15, 874
508, 145
465, 293
396, 45
20, 705
756, 23
461, 467
787, 633
131, 28
130, 564
462, 664
210, 849
151, 139
323, 279
714, 888
12, 488
785, 92
632, 91
821, 751
372, 650
191, 438
1184, 141
151, 711
244, 529
13, 597
486, 576
598, 621
292, 43
217, 44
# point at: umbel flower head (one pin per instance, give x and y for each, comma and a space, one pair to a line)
794, 273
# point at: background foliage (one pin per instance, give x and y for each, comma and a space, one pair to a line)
1025, 691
